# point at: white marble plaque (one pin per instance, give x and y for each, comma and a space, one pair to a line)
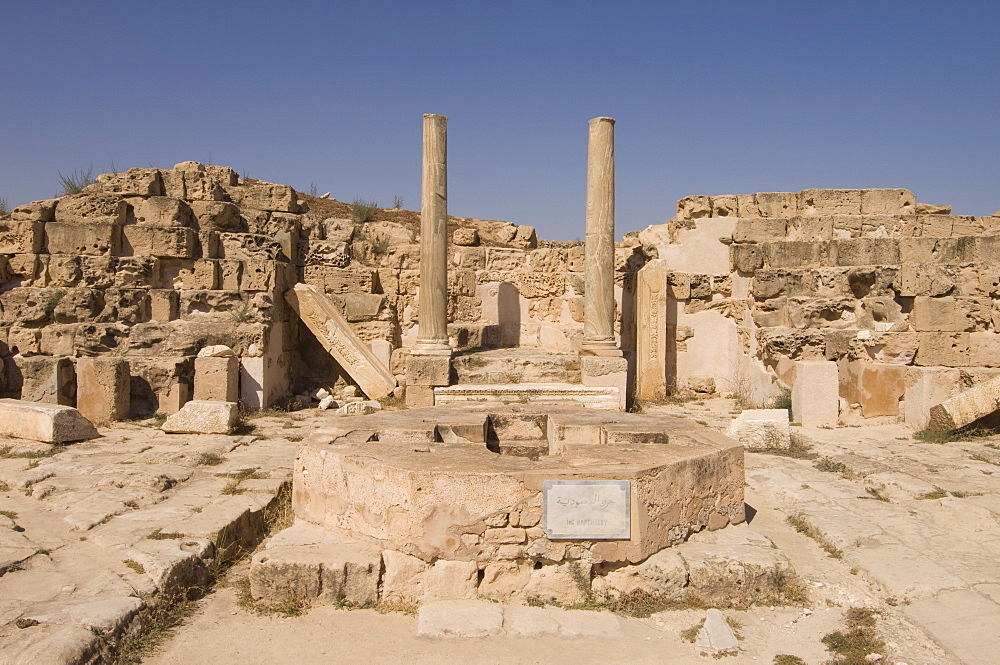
586, 509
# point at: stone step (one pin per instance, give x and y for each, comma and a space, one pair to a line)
516, 366
595, 397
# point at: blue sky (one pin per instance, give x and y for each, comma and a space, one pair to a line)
709, 97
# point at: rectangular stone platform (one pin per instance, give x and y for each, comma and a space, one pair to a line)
594, 397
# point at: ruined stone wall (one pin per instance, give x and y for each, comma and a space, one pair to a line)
154, 264
901, 296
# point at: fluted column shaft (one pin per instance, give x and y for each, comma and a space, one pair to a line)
599, 265
432, 323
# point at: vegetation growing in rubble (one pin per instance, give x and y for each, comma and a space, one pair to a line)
363, 211
76, 181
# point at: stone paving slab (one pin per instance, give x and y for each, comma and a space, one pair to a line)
94, 533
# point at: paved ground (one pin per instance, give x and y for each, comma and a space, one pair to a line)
910, 529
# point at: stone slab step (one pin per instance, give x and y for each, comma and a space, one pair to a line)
595, 397
516, 366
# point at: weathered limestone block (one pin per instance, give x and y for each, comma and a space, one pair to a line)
159, 384
217, 378
725, 206
498, 258
162, 242
273, 198
775, 204
865, 252
565, 583
603, 371
774, 283
761, 429
102, 389
91, 209
935, 226
968, 406
937, 250
333, 331
984, 349
139, 182
248, 246
504, 580
48, 423
216, 215
48, 379
664, 574
466, 237
361, 306
427, 370
760, 229
936, 315
202, 417
450, 580
136, 271
83, 238
887, 202
161, 211
924, 279
694, 207
747, 258
813, 202
261, 275
926, 387
797, 254
932, 209
943, 348
402, 577
524, 238
308, 563
877, 388
21, 237
815, 394
36, 211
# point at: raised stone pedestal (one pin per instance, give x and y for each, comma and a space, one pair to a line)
506, 504
424, 372
102, 389
606, 371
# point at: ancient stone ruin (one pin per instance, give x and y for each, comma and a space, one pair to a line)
480, 447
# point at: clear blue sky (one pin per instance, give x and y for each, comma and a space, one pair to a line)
710, 98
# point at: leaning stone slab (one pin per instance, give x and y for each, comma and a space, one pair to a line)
333, 331
202, 417
966, 407
49, 423
761, 429
716, 636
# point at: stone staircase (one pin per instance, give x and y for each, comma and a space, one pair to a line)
522, 376
515, 365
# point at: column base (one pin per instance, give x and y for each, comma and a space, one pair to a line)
600, 370
601, 347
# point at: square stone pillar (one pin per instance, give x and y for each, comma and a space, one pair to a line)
217, 379
816, 393
651, 331
103, 389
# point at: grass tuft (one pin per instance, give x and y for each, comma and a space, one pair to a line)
76, 181
853, 645
363, 211
802, 525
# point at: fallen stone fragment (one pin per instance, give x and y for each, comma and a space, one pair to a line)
716, 635
761, 429
460, 618
216, 351
49, 423
359, 408
202, 417
966, 407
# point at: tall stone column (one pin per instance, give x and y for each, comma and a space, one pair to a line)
429, 362
599, 266
601, 361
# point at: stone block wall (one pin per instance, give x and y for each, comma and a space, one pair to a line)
878, 285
